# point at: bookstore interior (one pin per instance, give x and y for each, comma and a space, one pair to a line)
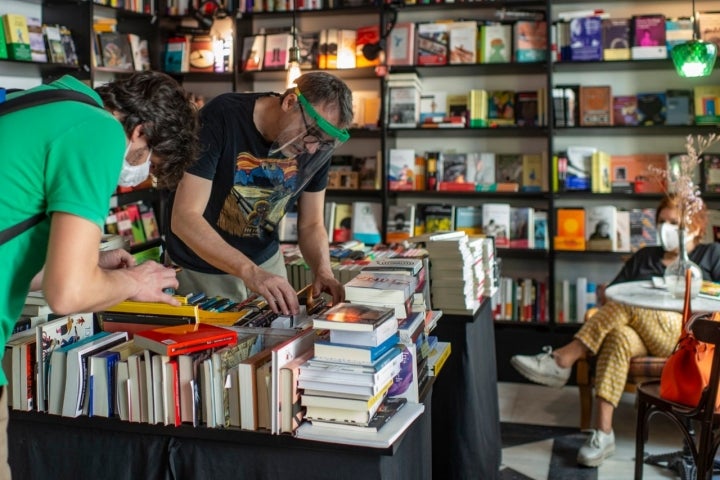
505, 158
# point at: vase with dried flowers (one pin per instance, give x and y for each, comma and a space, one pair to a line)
679, 178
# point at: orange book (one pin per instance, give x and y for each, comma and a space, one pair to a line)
181, 339
596, 106
642, 170
570, 229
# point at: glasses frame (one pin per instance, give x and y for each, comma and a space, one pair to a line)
313, 139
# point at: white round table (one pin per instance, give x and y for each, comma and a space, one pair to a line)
643, 294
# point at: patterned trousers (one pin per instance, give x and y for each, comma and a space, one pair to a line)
616, 333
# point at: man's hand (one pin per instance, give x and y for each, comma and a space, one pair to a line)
114, 259
279, 294
328, 284
152, 279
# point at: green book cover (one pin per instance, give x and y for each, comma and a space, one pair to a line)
3, 47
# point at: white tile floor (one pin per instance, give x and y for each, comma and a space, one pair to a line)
539, 405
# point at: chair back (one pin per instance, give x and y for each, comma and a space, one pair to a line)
707, 330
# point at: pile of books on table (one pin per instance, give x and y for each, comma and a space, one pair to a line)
354, 386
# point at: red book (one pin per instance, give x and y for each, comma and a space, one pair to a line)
181, 339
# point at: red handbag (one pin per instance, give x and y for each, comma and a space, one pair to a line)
687, 369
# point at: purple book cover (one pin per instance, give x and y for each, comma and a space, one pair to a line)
586, 39
625, 110
616, 33
649, 30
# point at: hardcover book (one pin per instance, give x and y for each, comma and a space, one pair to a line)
180, 339
432, 43
530, 41
596, 106
616, 39
586, 39
353, 317
309, 45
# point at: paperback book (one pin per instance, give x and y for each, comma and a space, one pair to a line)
353, 317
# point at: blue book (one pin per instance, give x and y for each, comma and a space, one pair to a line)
345, 353
586, 39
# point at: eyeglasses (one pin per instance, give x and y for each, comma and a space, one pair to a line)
313, 137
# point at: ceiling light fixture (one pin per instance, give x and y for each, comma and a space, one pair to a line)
695, 58
293, 71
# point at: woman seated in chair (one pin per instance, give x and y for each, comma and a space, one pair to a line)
616, 332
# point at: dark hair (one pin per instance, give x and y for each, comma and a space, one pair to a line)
168, 117
320, 88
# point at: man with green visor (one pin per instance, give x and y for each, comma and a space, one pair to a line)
262, 153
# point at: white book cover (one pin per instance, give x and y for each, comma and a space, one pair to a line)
484, 169
622, 222
367, 222
463, 42
496, 222
54, 334
401, 169
601, 227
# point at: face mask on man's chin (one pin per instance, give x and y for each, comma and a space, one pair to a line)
132, 175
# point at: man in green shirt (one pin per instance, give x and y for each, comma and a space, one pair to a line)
63, 160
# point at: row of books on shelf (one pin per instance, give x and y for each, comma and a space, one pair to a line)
26, 38
230, 376
521, 300
135, 223
595, 105
208, 52
138, 6
594, 35
410, 105
116, 50
409, 169
573, 299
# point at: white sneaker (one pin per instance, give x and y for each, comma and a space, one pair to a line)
541, 368
597, 448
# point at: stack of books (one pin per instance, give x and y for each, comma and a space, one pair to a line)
346, 382
393, 290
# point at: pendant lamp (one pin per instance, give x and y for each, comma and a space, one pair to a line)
293, 71
695, 58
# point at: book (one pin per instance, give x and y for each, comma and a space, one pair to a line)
616, 39
383, 415
625, 111
462, 42
354, 317
570, 232
710, 289
55, 334
586, 44
380, 287
400, 223
181, 339
17, 37
496, 222
350, 353
342, 228
648, 37
291, 410
530, 41
496, 43
54, 43
76, 372
404, 106
707, 104
253, 53
596, 106
679, 107
401, 44
384, 437
277, 47
601, 227
501, 108
468, 219
522, 221
367, 37
366, 339
366, 222
643, 231
38, 51
115, 50
309, 44
651, 108
202, 56
101, 367
432, 43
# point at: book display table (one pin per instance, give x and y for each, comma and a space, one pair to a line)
47, 446
465, 413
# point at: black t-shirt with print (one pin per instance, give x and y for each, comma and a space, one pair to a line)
249, 194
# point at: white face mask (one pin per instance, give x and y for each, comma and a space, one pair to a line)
132, 175
670, 237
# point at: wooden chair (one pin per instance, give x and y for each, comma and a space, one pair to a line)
704, 443
642, 369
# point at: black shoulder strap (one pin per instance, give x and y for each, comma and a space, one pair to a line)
41, 97
28, 100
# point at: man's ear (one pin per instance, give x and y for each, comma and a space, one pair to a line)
137, 133
289, 102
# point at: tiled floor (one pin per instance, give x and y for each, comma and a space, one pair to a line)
533, 452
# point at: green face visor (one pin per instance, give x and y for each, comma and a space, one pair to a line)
329, 129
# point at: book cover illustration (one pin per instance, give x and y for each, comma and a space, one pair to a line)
401, 169
202, 58
625, 112
484, 169
277, 47
53, 39
404, 109
570, 229
454, 167
679, 107
400, 223
508, 168
496, 222
116, 51
365, 38
600, 227
643, 231
586, 39
521, 227
616, 39
438, 218
651, 108
596, 107
496, 40
649, 39
401, 44
432, 43
468, 219
501, 107
353, 316
530, 41
37, 41
463, 37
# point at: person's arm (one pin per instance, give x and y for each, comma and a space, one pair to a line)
111, 259
314, 244
193, 229
73, 280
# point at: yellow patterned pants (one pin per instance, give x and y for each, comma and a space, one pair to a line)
616, 333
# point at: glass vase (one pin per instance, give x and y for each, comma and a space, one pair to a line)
675, 272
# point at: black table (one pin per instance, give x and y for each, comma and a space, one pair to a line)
466, 441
